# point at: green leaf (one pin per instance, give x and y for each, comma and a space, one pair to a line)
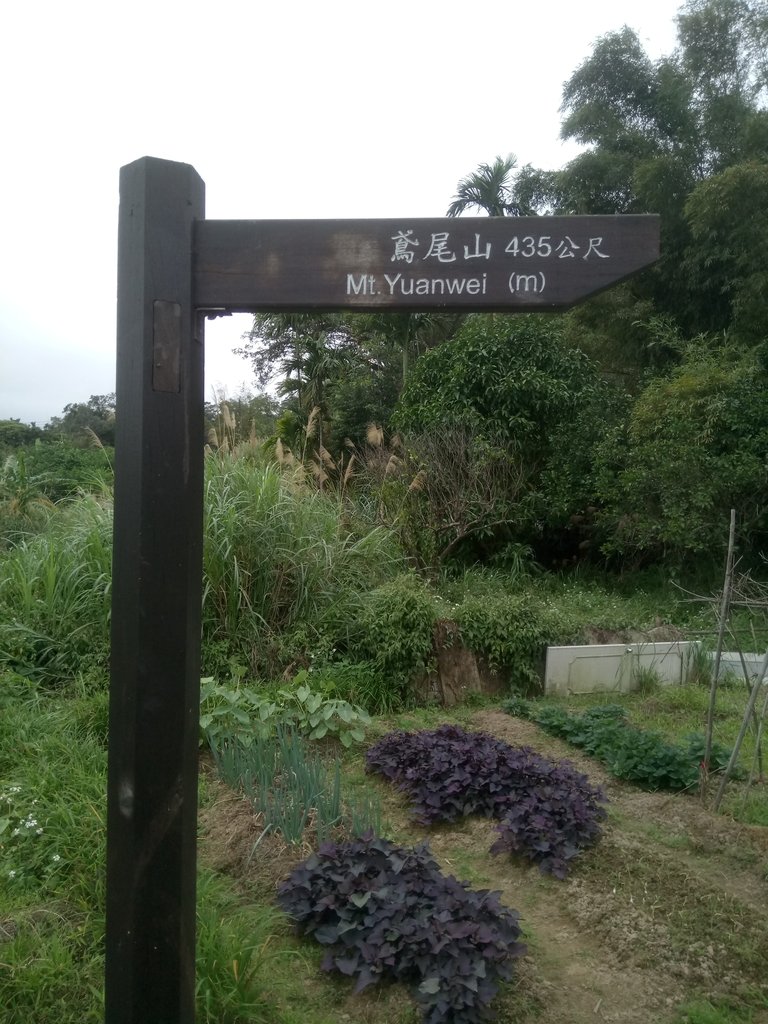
345, 711
430, 986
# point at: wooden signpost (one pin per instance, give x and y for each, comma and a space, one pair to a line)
174, 268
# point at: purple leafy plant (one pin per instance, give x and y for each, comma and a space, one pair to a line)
547, 811
385, 911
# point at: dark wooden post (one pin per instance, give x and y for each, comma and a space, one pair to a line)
152, 788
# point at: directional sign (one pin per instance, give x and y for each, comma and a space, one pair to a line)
462, 264
173, 266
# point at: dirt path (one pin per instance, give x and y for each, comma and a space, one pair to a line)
673, 901
671, 905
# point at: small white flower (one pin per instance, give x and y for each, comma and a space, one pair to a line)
56, 858
16, 832
38, 831
11, 874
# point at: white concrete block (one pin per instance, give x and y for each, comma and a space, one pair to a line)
730, 664
613, 668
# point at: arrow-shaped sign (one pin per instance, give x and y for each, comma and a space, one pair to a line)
464, 264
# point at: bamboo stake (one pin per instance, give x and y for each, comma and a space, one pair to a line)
742, 731
724, 608
757, 760
756, 722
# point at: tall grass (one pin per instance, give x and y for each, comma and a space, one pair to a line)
281, 555
52, 870
53, 772
55, 591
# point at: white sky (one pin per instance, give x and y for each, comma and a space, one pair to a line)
287, 108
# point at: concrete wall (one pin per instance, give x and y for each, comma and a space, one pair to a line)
730, 664
612, 668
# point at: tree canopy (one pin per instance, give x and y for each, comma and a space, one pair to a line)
654, 133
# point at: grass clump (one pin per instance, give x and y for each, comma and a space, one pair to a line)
52, 843
55, 595
236, 956
52, 871
282, 560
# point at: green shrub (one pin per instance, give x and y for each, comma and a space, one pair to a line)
395, 630
510, 632
487, 412
57, 470
240, 713
694, 447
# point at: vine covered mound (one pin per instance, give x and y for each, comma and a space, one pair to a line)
385, 911
546, 810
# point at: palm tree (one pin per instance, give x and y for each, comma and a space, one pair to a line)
488, 188
409, 332
308, 350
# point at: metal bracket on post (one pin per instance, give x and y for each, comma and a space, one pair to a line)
156, 596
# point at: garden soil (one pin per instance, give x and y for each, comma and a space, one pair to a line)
671, 906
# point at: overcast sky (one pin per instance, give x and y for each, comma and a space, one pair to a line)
286, 109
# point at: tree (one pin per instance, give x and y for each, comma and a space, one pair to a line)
727, 264
307, 351
409, 334
488, 189
507, 385
15, 434
464, 491
693, 447
233, 420
654, 132
82, 422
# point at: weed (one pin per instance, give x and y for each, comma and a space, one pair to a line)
235, 956
645, 680
395, 629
